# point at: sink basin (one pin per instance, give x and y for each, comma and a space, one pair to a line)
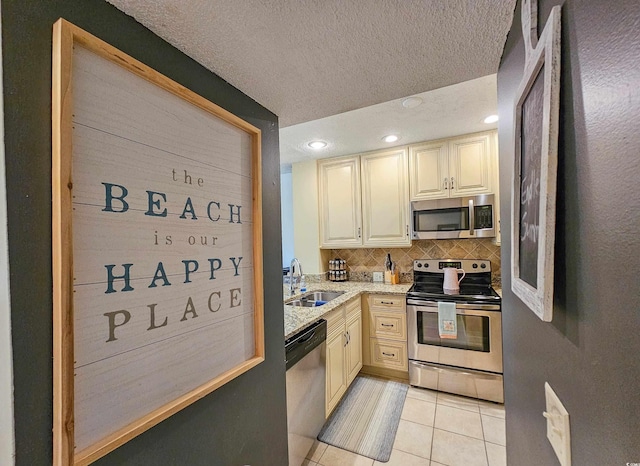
299, 302
315, 298
322, 295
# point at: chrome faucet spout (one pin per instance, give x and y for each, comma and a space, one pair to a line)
292, 267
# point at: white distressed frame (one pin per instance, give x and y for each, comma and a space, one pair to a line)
546, 52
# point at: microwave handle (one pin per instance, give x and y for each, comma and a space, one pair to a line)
472, 218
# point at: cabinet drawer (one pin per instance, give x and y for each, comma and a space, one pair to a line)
390, 325
388, 302
389, 354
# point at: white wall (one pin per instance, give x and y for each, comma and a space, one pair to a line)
286, 206
7, 447
305, 216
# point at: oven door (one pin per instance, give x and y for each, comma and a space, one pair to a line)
479, 342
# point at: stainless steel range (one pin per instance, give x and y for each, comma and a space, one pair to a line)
470, 363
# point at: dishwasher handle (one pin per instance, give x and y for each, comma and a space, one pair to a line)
305, 341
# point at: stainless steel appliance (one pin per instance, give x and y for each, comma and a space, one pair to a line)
471, 363
461, 217
305, 361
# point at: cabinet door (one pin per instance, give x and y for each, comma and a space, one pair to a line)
429, 171
336, 369
470, 165
340, 205
385, 198
354, 347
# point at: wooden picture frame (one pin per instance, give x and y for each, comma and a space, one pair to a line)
157, 247
533, 202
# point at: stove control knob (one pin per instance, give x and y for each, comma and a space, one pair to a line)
483, 266
426, 266
419, 265
475, 266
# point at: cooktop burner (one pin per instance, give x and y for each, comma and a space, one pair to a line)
475, 287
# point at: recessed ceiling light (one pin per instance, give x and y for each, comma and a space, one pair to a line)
317, 145
491, 119
411, 102
390, 138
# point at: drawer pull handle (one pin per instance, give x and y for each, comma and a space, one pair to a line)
387, 325
386, 302
389, 354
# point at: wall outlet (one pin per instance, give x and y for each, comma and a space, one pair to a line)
378, 277
557, 426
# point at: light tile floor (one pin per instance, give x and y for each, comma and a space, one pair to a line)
436, 429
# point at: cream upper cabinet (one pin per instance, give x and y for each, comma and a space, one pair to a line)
364, 200
429, 170
339, 199
385, 198
456, 167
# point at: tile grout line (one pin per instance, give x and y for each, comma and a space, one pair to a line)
433, 432
484, 440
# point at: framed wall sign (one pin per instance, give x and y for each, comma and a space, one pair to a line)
157, 247
533, 202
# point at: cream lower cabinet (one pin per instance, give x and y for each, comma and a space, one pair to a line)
386, 339
364, 200
344, 350
454, 167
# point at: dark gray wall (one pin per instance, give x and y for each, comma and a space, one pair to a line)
589, 352
244, 422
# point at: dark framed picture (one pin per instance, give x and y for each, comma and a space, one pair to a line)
533, 201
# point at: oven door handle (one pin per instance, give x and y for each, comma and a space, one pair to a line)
459, 306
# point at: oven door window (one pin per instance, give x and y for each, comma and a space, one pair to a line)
441, 219
473, 332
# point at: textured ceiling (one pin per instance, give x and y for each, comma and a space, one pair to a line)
309, 59
448, 111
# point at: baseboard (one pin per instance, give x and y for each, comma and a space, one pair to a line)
392, 374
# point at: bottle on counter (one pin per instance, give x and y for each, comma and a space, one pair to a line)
303, 284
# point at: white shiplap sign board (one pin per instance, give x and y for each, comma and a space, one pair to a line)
166, 300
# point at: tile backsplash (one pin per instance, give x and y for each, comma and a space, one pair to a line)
362, 262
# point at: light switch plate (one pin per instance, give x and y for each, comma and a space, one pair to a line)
558, 431
378, 277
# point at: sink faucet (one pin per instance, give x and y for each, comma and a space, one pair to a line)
292, 267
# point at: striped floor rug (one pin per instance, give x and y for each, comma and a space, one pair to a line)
366, 419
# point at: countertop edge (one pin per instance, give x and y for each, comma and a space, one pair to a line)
297, 318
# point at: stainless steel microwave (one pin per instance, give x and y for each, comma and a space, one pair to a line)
460, 217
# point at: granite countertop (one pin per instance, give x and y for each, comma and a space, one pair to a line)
297, 317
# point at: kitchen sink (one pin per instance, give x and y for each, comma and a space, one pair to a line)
315, 298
